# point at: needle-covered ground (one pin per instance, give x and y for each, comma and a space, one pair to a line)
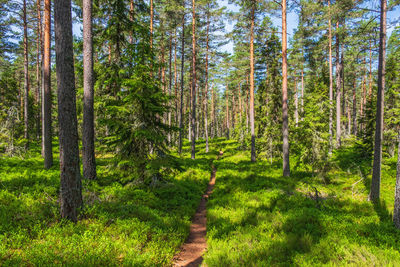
130, 224
256, 217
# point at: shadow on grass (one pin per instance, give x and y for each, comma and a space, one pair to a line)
258, 218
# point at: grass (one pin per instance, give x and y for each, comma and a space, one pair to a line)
130, 225
256, 217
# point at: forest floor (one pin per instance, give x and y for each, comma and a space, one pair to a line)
255, 217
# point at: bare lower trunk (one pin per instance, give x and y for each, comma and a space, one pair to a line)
354, 109
285, 117
38, 73
227, 112
206, 89
296, 103
26, 79
253, 137
47, 96
396, 211
338, 90
376, 170
193, 118
88, 155
330, 84
182, 83
70, 186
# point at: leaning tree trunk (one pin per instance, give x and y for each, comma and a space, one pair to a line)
376, 169
88, 155
253, 137
70, 186
396, 211
193, 117
285, 119
26, 79
46, 95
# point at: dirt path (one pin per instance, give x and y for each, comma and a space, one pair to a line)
192, 250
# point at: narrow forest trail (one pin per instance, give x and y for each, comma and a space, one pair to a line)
191, 252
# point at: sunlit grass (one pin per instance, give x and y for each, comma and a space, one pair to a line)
256, 217
130, 224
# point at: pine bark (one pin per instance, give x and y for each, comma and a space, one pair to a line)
38, 59
330, 83
296, 103
376, 169
227, 112
285, 117
253, 138
182, 81
88, 154
193, 117
354, 109
206, 85
46, 95
338, 90
70, 186
26, 78
396, 211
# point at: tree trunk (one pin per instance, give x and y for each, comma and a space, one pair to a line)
330, 83
227, 112
38, 59
170, 87
338, 90
88, 155
354, 109
296, 103
193, 118
206, 89
175, 83
376, 170
26, 79
46, 95
151, 23
285, 119
253, 137
396, 211
70, 186
182, 81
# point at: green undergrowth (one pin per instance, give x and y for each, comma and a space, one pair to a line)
256, 217
121, 224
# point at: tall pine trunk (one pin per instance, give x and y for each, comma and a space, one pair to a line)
46, 95
253, 137
38, 59
376, 169
182, 81
330, 82
193, 117
396, 211
70, 186
285, 117
88, 155
338, 89
26, 78
206, 89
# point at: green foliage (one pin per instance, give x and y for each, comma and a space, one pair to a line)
256, 217
310, 144
119, 225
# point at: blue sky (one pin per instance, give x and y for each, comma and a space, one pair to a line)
293, 21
